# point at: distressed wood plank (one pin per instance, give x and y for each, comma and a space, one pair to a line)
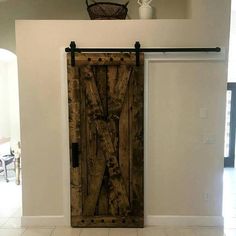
117, 100
105, 138
113, 123
96, 178
137, 143
113, 120
83, 59
130, 121
91, 152
103, 197
121, 86
74, 137
83, 142
124, 143
95, 157
109, 221
73, 90
113, 129
96, 168
112, 81
101, 82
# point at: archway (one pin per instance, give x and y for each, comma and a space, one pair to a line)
10, 186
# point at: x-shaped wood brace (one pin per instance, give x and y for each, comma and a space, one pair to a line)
96, 111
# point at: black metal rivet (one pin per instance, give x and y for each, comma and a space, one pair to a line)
89, 59
123, 221
102, 221
111, 59
100, 59
92, 221
134, 221
82, 221
122, 59
113, 221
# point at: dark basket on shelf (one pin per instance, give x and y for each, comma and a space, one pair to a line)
107, 10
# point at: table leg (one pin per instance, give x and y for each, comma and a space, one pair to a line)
17, 168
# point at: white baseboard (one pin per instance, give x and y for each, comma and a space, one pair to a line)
44, 221
155, 220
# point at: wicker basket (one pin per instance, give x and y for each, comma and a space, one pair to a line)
107, 10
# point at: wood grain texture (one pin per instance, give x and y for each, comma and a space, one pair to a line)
113, 123
108, 222
106, 119
83, 142
124, 147
74, 137
105, 139
101, 78
83, 59
137, 143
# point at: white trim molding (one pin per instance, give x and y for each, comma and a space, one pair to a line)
43, 221
207, 221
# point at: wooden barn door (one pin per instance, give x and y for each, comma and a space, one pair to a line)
105, 94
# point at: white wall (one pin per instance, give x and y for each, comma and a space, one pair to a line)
181, 168
12, 10
13, 101
9, 97
4, 102
185, 170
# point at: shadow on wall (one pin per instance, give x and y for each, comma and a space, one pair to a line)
9, 98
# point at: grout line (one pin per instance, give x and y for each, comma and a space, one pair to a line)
4, 221
52, 231
23, 231
80, 232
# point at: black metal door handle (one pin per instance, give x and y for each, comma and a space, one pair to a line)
75, 155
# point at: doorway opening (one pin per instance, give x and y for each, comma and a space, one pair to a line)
10, 181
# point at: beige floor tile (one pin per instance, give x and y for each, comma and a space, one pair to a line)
229, 195
204, 231
3, 220
62, 231
11, 232
17, 212
173, 232
94, 232
230, 223
6, 212
123, 232
38, 232
188, 232
12, 223
178, 231
151, 231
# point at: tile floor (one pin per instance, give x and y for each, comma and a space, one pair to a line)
10, 218
229, 197
149, 231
